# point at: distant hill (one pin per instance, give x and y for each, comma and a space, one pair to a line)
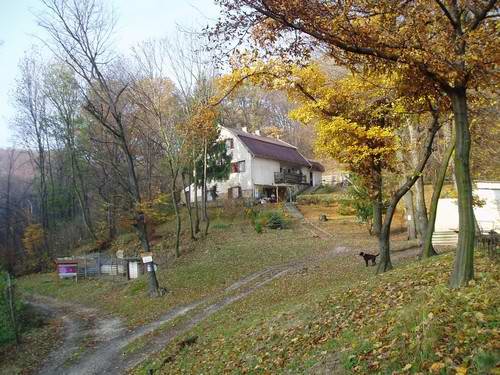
22, 168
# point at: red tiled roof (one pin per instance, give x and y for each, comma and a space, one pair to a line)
270, 148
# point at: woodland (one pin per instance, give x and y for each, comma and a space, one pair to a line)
402, 94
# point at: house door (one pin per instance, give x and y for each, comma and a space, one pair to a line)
311, 178
235, 192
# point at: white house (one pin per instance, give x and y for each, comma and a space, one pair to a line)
487, 216
262, 167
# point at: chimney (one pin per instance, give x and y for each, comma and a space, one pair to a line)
257, 132
244, 128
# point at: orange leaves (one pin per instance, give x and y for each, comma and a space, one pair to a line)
436, 367
202, 121
33, 238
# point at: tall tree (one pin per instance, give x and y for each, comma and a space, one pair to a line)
451, 45
356, 119
158, 107
62, 92
79, 34
33, 128
193, 73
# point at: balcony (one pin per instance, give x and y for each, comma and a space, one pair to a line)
289, 178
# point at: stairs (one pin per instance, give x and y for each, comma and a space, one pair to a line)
445, 238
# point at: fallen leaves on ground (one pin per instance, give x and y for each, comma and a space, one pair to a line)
405, 321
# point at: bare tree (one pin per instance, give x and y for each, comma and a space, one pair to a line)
62, 92
192, 71
32, 128
158, 107
80, 34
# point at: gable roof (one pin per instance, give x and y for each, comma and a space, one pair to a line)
270, 148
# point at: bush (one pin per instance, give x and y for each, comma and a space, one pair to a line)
252, 214
357, 201
345, 207
258, 227
276, 221
270, 219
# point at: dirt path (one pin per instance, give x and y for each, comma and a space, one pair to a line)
121, 364
94, 345
83, 329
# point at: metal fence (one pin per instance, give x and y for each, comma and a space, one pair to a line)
490, 242
98, 265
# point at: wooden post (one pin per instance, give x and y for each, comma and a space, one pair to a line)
277, 194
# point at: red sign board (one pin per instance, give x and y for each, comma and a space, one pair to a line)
67, 269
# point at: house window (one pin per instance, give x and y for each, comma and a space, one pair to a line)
238, 167
229, 143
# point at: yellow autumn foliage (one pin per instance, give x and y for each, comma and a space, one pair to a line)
355, 115
33, 238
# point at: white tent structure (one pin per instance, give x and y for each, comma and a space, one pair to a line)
487, 216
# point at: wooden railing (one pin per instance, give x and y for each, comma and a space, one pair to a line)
289, 178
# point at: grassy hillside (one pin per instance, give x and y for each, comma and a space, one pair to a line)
406, 321
329, 314
232, 250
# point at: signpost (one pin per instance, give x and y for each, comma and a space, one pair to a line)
147, 259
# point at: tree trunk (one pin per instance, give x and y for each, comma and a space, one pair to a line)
385, 263
110, 211
196, 205
205, 212
410, 215
141, 225
187, 196
422, 220
77, 179
177, 224
428, 249
421, 209
384, 238
463, 269
377, 203
173, 187
44, 206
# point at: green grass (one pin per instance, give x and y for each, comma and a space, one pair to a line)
229, 253
326, 189
333, 315
326, 199
340, 317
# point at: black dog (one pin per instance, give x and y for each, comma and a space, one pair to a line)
369, 257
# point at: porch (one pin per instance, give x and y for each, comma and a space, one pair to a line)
290, 178
275, 193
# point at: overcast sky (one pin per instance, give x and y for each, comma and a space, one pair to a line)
137, 20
